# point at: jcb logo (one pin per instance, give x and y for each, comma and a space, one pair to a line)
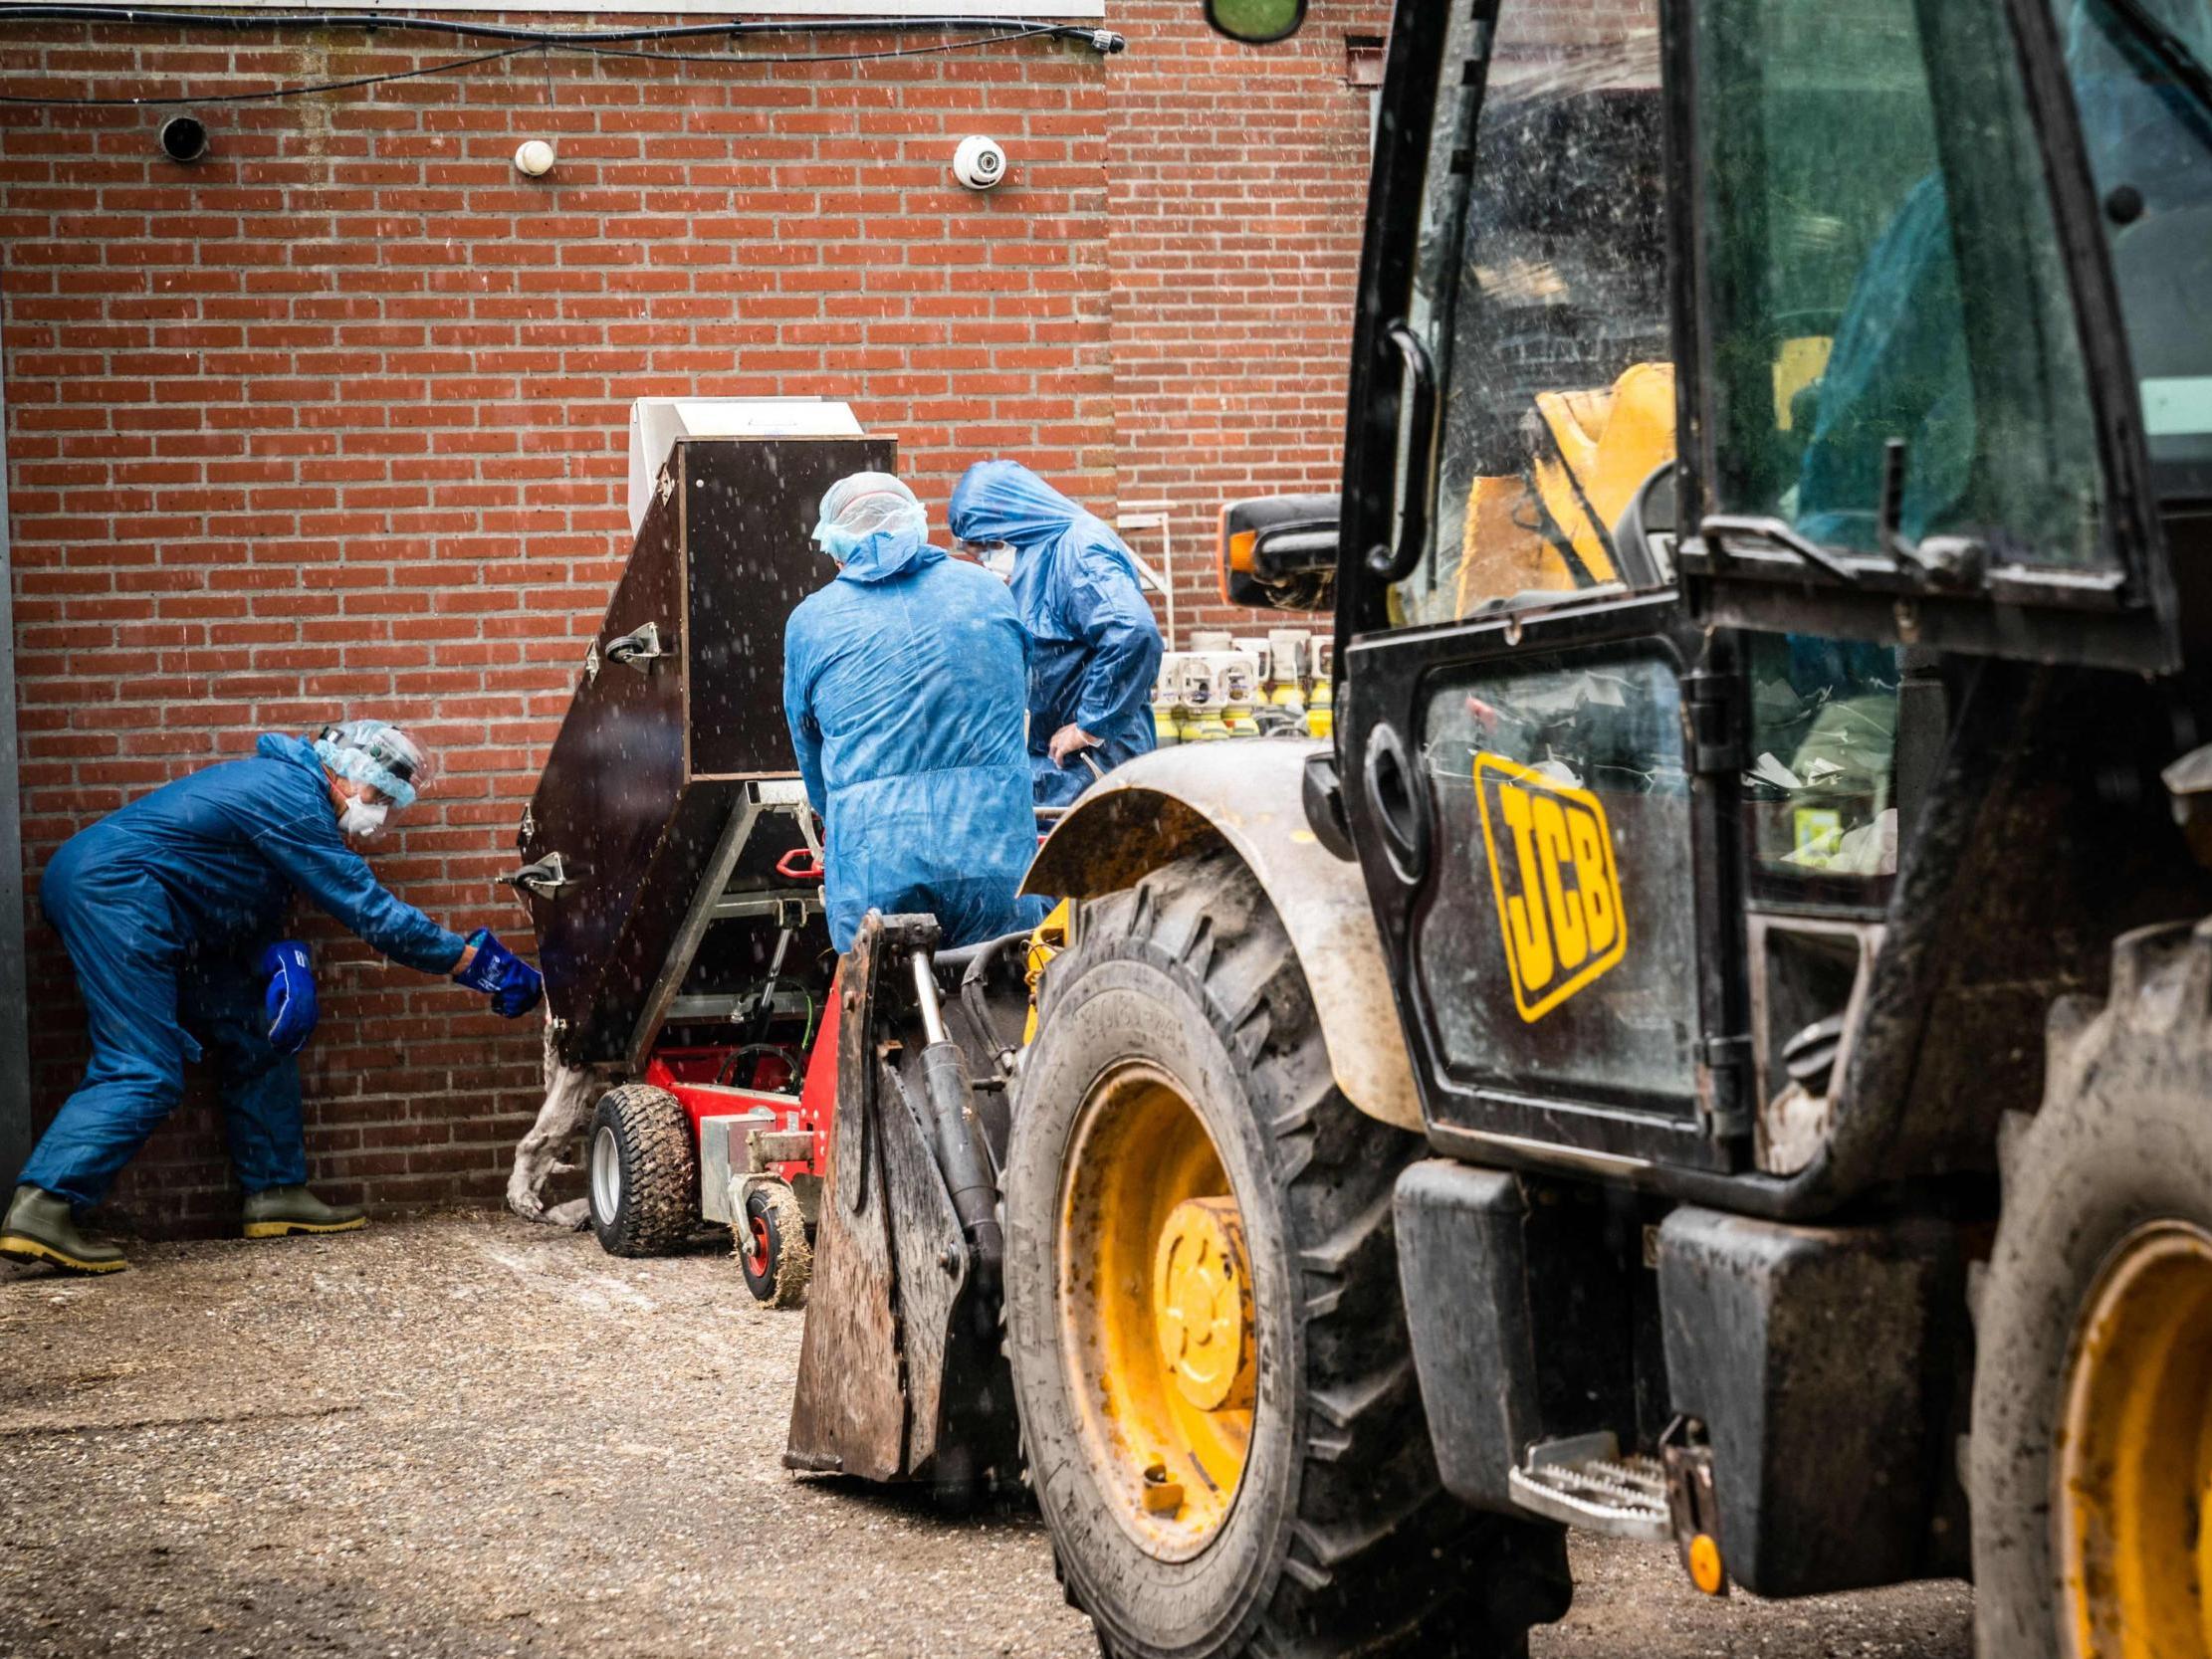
1558, 894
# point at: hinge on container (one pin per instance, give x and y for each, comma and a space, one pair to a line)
1725, 1086
1712, 728
526, 829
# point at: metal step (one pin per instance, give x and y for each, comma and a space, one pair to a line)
1587, 1483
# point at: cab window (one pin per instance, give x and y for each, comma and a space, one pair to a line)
1890, 327
1541, 292
2146, 123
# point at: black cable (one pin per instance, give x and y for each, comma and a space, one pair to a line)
271, 92
809, 58
593, 42
1102, 40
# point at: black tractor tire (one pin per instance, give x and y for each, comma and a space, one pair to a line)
1341, 1540
2121, 1142
642, 1172
771, 1247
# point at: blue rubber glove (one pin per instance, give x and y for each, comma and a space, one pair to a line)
288, 1000
512, 984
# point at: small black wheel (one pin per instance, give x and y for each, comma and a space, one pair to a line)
644, 1185
772, 1250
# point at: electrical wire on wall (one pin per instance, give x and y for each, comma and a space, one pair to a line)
974, 34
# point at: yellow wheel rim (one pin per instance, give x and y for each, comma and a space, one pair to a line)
1158, 1328
2134, 1460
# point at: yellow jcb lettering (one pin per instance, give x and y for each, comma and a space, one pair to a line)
1590, 876
1531, 940
1570, 938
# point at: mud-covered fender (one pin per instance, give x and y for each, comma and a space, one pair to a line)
1177, 802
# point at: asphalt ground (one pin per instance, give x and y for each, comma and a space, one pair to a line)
471, 1436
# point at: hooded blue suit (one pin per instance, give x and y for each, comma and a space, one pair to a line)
1094, 646
902, 683
166, 906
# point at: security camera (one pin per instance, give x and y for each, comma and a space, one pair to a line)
980, 164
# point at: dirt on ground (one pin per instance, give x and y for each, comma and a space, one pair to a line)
473, 1436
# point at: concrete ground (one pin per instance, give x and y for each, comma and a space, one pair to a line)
471, 1436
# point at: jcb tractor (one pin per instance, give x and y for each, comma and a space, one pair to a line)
1719, 1047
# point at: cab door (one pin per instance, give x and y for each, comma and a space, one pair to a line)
1529, 754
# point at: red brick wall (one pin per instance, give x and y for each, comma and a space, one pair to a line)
1236, 201
336, 419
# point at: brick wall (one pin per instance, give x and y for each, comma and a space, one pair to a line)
336, 419
1236, 201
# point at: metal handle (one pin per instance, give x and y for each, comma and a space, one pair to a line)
547, 877
639, 649
1417, 478
1394, 798
801, 864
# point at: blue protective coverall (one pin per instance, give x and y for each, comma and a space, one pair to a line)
902, 683
164, 907
1094, 646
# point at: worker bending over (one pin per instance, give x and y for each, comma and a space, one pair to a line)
1094, 649
171, 908
903, 685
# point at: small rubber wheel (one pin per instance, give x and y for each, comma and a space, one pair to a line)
771, 1247
644, 1173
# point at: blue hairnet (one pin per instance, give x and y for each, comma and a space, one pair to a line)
378, 754
873, 521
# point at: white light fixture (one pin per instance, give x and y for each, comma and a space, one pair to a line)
535, 158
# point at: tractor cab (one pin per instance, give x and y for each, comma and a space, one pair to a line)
1704, 495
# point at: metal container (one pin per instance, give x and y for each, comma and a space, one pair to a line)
676, 723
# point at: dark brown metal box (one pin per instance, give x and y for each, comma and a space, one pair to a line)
676, 719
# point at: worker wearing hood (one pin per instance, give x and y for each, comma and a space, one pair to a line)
1094, 649
903, 685
171, 910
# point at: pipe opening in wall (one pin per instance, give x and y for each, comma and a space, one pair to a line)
183, 138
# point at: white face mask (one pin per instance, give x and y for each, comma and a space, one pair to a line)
361, 819
999, 561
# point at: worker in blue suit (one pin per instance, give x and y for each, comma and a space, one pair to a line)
171, 910
903, 685
1094, 646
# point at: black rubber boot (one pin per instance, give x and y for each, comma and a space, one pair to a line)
279, 1210
40, 1228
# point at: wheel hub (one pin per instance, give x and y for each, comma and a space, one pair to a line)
1202, 1305
1157, 1315
2135, 1457
606, 1174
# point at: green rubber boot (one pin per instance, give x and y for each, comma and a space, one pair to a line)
279, 1210
40, 1228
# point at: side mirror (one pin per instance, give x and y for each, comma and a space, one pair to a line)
1256, 22
1278, 553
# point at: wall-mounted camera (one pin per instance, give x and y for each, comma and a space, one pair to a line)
980, 164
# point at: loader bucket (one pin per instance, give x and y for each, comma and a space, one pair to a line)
900, 1374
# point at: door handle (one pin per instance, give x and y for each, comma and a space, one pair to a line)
1417, 478
1395, 796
